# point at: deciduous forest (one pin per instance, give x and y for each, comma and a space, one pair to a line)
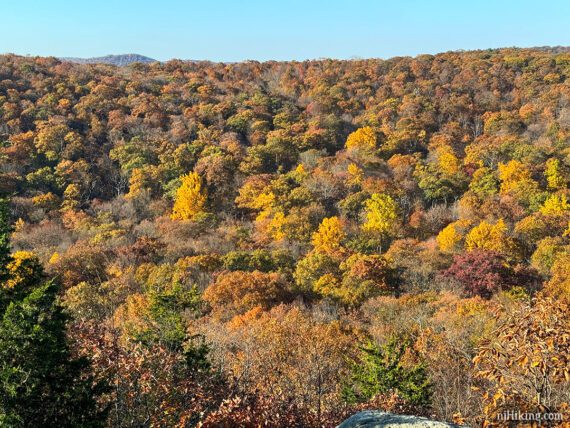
284, 243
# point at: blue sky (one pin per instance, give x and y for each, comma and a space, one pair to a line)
225, 30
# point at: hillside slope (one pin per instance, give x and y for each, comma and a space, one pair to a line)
287, 243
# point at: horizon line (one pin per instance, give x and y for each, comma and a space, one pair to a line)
351, 58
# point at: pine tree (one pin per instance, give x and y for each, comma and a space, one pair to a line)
381, 370
5, 231
41, 383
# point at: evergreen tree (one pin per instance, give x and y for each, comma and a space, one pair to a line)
5, 231
380, 370
41, 383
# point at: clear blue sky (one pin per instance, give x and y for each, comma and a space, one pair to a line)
234, 30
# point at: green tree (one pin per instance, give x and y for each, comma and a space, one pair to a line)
438, 187
381, 369
41, 383
166, 315
311, 268
484, 183
5, 230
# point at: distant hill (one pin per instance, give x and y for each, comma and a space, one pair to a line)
119, 60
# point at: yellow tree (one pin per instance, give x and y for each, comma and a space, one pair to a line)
71, 197
276, 225
329, 236
448, 163
138, 183
24, 270
50, 139
451, 235
190, 198
516, 177
558, 287
555, 205
355, 175
483, 183
381, 214
362, 138
255, 194
47, 201
548, 251
492, 237
555, 176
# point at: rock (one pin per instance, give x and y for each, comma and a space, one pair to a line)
379, 419
118, 60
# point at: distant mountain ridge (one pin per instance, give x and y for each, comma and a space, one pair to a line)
118, 60
126, 59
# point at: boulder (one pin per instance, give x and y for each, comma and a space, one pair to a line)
379, 419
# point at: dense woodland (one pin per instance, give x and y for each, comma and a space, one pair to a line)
284, 243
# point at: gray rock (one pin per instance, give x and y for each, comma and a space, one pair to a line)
118, 60
378, 419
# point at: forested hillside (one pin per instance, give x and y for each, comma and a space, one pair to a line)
288, 242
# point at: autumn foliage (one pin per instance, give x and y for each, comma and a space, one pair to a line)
190, 199
242, 244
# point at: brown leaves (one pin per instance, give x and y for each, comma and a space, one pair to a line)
526, 361
237, 292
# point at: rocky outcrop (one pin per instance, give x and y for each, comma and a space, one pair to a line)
378, 419
118, 60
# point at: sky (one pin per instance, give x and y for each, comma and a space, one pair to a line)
236, 30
